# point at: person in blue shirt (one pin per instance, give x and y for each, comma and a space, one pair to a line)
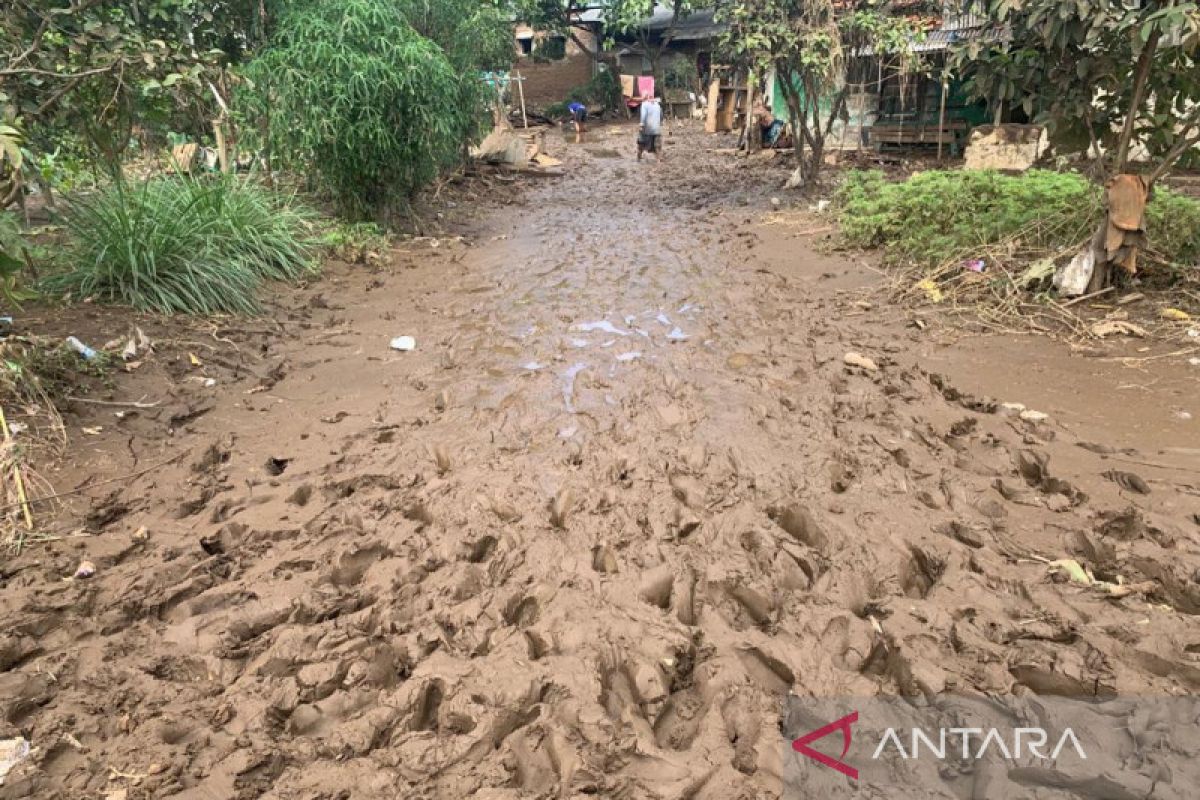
578, 114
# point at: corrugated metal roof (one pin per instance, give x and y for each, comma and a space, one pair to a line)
696, 25
936, 41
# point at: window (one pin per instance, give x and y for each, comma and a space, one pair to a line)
526, 45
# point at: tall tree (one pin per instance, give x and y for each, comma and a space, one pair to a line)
807, 44
637, 18
98, 66
1096, 72
1102, 75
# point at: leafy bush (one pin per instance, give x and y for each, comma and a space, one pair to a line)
182, 245
604, 89
938, 215
375, 97
1173, 225
12, 248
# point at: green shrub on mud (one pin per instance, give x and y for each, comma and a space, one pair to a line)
938, 215
180, 244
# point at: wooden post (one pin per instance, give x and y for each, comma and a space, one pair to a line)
521, 92
714, 97
942, 117
222, 152
746, 129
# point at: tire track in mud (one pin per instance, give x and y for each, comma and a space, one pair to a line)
626, 497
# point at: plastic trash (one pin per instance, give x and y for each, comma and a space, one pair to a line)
602, 325
677, 335
630, 356
974, 264
12, 752
1072, 280
81, 348
404, 344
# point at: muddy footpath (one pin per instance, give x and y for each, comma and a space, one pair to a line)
657, 460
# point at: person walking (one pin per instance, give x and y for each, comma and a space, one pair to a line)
650, 130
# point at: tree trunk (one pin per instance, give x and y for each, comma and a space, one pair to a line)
1141, 76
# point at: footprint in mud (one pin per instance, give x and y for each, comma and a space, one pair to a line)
481, 549
920, 572
656, 586
521, 612
678, 724
769, 673
427, 706
301, 495
354, 564
752, 603
604, 560
801, 525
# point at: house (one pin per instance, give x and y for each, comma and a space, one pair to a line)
684, 47
889, 104
552, 64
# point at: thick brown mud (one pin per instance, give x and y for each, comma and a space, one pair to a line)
625, 495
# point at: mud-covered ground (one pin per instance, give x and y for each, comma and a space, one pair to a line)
625, 495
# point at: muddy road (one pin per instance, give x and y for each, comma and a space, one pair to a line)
651, 467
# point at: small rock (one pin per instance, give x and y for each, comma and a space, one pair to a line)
1029, 415
1012, 408
86, 569
859, 360
776, 202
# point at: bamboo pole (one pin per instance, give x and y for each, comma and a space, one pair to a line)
942, 117
521, 92
18, 480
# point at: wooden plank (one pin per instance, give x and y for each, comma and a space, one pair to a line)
714, 95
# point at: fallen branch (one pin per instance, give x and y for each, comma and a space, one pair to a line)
116, 403
1083, 297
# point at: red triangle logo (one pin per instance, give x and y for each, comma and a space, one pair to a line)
801, 745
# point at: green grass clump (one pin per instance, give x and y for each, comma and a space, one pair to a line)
936, 215
942, 214
180, 244
1173, 225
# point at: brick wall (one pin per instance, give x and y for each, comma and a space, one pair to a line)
549, 82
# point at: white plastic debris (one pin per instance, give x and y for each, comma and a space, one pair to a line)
404, 343
630, 356
1029, 415
602, 325
1072, 280
677, 335
12, 752
663, 319
532, 366
81, 348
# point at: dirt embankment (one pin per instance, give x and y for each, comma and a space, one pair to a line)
625, 495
